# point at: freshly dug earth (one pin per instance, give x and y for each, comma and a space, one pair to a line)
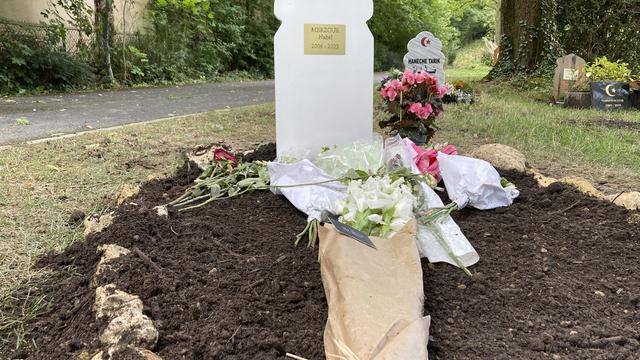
557, 279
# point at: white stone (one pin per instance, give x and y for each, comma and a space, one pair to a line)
162, 210
111, 252
133, 327
629, 200
425, 53
501, 156
110, 302
127, 192
323, 90
127, 323
94, 224
583, 185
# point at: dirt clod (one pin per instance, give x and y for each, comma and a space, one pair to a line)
264, 152
76, 218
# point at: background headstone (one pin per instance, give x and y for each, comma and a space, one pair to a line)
323, 74
425, 53
569, 69
610, 95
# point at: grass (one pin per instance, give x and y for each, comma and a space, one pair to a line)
471, 55
467, 65
561, 141
41, 184
467, 74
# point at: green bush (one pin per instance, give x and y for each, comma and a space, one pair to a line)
204, 39
604, 70
30, 59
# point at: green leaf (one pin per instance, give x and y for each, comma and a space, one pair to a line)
362, 174
22, 121
18, 61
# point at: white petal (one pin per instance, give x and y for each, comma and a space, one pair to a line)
376, 219
397, 224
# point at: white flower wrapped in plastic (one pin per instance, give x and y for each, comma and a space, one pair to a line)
377, 206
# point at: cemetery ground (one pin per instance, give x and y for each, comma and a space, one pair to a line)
42, 185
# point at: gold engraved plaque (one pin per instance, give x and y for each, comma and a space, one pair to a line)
324, 39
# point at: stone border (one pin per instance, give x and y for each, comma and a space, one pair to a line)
507, 158
128, 329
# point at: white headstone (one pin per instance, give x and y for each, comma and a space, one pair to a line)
425, 53
323, 74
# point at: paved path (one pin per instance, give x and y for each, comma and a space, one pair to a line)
69, 113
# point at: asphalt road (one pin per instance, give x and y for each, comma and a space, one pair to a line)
70, 113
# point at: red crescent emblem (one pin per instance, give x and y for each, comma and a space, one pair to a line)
425, 41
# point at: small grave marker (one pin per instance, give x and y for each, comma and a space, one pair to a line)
425, 53
323, 74
610, 95
570, 68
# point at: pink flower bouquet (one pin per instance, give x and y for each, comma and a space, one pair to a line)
427, 159
414, 100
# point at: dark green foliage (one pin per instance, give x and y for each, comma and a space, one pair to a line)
206, 39
552, 48
506, 65
31, 59
199, 40
475, 23
588, 28
455, 22
192, 39
395, 22
592, 28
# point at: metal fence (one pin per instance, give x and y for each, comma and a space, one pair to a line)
72, 41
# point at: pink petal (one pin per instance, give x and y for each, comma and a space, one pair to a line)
391, 93
220, 154
449, 150
432, 154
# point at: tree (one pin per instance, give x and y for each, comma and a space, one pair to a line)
516, 20
104, 36
527, 36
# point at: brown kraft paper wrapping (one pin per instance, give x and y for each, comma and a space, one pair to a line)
375, 297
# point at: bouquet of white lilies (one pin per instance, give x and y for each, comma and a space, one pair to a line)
378, 206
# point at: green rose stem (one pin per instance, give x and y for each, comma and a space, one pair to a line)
181, 203
221, 181
434, 214
438, 235
429, 218
401, 110
311, 230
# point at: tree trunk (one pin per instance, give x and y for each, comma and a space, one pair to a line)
104, 36
519, 22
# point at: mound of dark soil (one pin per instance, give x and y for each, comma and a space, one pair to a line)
606, 123
264, 152
557, 279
